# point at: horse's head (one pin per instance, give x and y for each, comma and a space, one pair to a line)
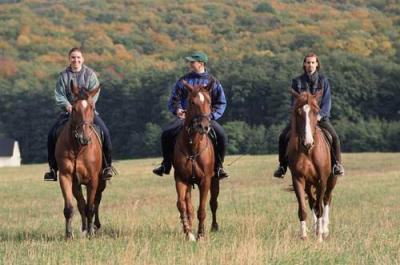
198, 115
82, 115
305, 116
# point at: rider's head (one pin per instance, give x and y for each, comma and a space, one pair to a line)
311, 64
76, 59
197, 62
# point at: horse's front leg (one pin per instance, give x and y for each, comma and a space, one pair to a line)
181, 190
298, 185
327, 203
66, 188
201, 212
214, 202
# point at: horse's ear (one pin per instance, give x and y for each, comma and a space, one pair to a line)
295, 93
93, 92
188, 86
318, 95
210, 85
74, 88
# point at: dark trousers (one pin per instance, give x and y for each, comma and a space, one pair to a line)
52, 138
324, 124
170, 133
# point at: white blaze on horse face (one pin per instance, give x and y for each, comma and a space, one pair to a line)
201, 97
84, 104
309, 138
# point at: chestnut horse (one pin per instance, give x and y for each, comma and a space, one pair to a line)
79, 159
310, 164
194, 161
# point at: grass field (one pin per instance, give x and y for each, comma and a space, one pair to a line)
257, 217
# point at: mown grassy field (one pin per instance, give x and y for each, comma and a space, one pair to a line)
257, 217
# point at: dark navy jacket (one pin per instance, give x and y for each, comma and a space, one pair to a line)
303, 83
179, 95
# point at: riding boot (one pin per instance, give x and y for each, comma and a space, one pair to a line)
219, 161
108, 170
338, 169
51, 175
283, 142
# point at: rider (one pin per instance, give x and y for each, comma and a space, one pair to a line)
177, 105
312, 81
83, 77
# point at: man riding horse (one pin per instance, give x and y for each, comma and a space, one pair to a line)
312, 81
85, 78
177, 104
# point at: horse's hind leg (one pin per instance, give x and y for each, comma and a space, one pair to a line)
66, 188
327, 203
90, 208
77, 191
214, 202
97, 200
298, 185
181, 189
311, 203
319, 208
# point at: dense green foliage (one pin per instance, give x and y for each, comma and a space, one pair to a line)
255, 48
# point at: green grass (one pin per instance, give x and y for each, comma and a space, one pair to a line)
257, 217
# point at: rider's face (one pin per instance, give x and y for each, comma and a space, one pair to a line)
76, 60
196, 67
311, 65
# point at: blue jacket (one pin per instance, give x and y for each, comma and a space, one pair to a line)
303, 83
179, 94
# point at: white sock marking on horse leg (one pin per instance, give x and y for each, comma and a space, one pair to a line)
319, 229
309, 138
303, 229
191, 237
325, 219
315, 220
201, 97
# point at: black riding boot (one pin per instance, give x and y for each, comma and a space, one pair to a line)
283, 142
108, 170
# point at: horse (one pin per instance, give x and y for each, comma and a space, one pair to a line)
79, 159
309, 160
194, 162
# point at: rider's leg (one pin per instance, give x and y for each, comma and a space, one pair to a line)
283, 142
107, 148
336, 151
51, 147
168, 137
222, 142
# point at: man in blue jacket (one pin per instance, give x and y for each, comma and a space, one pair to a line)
178, 104
312, 81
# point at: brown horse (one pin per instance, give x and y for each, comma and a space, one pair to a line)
194, 161
79, 158
310, 163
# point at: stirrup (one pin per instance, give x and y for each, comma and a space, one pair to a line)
111, 172
338, 170
221, 173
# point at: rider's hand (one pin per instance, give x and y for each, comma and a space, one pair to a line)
181, 114
69, 108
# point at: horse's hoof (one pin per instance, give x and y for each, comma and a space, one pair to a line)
214, 228
190, 237
304, 238
320, 239
201, 237
69, 236
325, 235
83, 234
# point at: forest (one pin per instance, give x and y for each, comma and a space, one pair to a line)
255, 48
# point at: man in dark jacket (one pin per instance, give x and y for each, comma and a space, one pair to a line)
177, 105
312, 81
83, 77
